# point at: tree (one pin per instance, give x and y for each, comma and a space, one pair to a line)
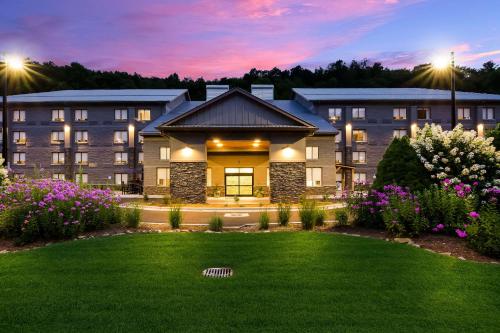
401, 166
495, 134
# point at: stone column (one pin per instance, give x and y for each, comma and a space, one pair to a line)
287, 181
188, 181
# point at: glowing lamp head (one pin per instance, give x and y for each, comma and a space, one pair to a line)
219, 145
187, 151
440, 62
14, 62
287, 152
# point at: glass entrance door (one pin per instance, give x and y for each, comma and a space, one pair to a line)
239, 181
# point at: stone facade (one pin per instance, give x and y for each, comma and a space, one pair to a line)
321, 190
188, 181
288, 181
156, 190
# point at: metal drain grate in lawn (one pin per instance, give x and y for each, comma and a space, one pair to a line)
218, 272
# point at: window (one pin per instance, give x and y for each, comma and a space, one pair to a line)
164, 153
399, 113
58, 115
359, 157
463, 114
121, 137
423, 114
338, 157
57, 158
19, 116
488, 113
57, 137
141, 139
20, 158
311, 153
81, 136
313, 177
80, 115
82, 178
140, 158
338, 178
335, 114
143, 114
358, 113
162, 176
338, 137
121, 114
268, 177
121, 158
359, 135
399, 133
19, 138
360, 177
121, 178
81, 158
209, 176
58, 176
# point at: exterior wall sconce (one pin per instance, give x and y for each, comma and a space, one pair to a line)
348, 134
413, 130
288, 152
480, 130
187, 151
67, 136
131, 135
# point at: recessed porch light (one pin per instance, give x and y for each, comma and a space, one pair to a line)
255, 144
219, 145
216, 140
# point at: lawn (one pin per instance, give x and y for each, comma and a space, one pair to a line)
292, 282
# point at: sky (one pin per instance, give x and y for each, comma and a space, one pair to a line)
221, 38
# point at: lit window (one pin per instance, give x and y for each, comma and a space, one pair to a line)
82, 178
338, 178
209, 176
313, 177
20, 158
360, 177
81, 136
19, 137
121, 137
311, 153
121, 114
399, 133
58, 115
164, 153
80, 115
359, 135
399, 113
335, 114
141, 157
358, 113
162, 176
338, 137
359, 157
141, 139
121, 158
81, 158
423, 113
463, 114
488, 114
143, 114
19, 116
121, 178
57, 158
338, 157
57, 137
58, 176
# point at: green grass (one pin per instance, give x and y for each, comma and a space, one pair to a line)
292, 282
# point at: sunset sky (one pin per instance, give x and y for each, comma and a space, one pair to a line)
216, 38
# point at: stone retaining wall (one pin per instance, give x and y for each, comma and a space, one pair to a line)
156, 190
288, 181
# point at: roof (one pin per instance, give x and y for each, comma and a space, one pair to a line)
393, 94
100, 95
184, 107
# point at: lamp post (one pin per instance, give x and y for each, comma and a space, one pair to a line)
9, 63
441, 63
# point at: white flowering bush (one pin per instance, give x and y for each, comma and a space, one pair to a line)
3, 173
458, 155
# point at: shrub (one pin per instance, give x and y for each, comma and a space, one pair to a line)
484, 232
48, 209
320, 217
495, 134
132, 217
167, 200
175, 216
284, 213
307, 214
366, 211
264, 220
145, 197
402, 217
341, 216
400, 165
216, 223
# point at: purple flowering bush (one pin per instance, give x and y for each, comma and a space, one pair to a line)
483, 233
31, 210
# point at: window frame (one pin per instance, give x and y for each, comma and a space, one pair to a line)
142, 112
427, 113
311, 174
85, 135
341, 160
397, 113
121, 161
124, 141
83, 161
21, 140
59, 141
337, 114
358, 110
19, 118
57, 176
167, 153
59, 160
359, 153
19, 154
461, 113
399, 130
84, 176
121, 175
312, 153
140, 157
338, 137
358, 175
81, 112
360, 130
57, 119
121, 113
167, 177
486, 112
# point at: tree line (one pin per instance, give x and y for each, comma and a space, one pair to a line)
49, 76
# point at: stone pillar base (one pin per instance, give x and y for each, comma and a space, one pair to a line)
188, 181
288, 181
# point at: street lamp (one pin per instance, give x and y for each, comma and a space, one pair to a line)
13, 63
442, 63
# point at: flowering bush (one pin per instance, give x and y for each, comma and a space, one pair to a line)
458, 155
484, 231
48, 209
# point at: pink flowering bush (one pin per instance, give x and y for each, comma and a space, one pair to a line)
31, 210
